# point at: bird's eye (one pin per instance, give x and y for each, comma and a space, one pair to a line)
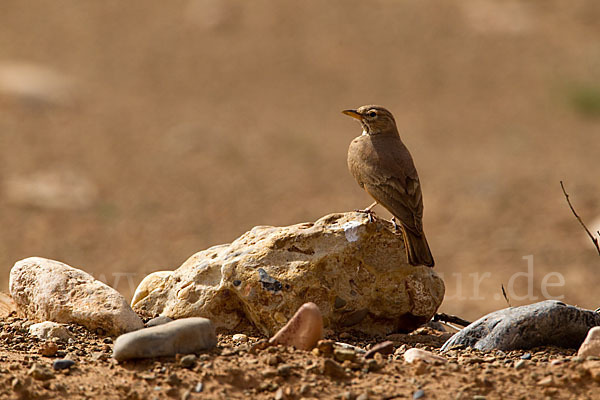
372, 114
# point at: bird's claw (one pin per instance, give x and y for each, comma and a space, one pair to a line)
370, 214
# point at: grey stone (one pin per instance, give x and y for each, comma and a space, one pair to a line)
419, 394
160, 320
184, 336
62, 364
520, 364
547, 323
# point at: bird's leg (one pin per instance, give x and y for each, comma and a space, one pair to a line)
396, 226
368, 209
369, 212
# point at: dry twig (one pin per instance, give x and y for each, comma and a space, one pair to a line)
594, 239
505, 296
453, 319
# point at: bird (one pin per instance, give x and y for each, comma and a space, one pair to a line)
384, 168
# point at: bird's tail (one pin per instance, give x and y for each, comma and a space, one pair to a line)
417, 248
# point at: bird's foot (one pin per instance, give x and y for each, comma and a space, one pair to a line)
370, 214
396, 226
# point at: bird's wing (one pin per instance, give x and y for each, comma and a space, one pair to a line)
401, 198
396, 184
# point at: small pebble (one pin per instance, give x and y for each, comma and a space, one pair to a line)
547, 381
40, 372
49, 330
304, 389
333, 369
198, 388
279, 394
384, 348
62, 364
526, 356
188, 361
48, 349
414, 354
419, 394
591, 344
325, 347
284, 370
239, 337
342, 355
520, 364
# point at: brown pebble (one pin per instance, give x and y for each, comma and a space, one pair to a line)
383, 348
333, 369
40, 372
48, 349
325, 347
303, 330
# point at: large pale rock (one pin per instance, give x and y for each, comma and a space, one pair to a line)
50, 290
354, 270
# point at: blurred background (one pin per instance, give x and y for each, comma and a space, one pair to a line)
134, 134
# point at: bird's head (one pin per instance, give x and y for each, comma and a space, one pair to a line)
374, 119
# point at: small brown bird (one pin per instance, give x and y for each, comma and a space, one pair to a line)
383, 166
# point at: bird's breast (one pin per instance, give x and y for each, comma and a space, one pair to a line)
362, 158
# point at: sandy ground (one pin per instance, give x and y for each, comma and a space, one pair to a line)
238, 370
171, 129
134, 134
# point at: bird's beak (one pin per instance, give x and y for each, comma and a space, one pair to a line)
353, 114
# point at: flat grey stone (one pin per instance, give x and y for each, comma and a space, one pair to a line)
160, 320
183, 336
547, 323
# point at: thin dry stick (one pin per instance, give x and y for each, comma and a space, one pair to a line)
505, 296
594, 239
451, 319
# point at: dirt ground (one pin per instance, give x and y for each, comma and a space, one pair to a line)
134, 134
239, 370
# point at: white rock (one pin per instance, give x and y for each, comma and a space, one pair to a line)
414, 354
591, 344
49, 330
239, 337
47, 290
